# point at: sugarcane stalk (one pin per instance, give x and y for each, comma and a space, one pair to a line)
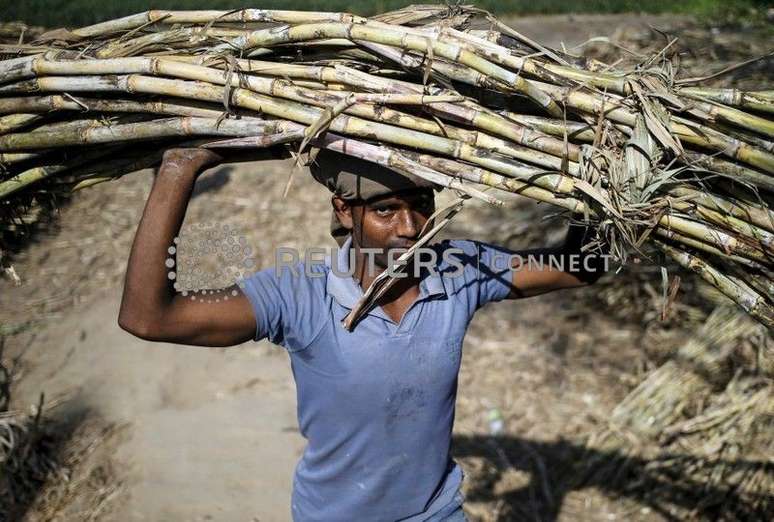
16, 157
758, 101
686, 130
286, 132
758, 216
714, 164
725, 241
543, 71
494, 180
704, 136
30, 176
575, 131
409, 60
259, 142
697, 244
115, 168
56, 102
691, 229
88, 120
181, 38
502, 56
167, 127
241, 16
733, 116
758, 278
396, 38
281, 88
749, 300
16, 69
747, 137
667, 224
13, 122
740, 228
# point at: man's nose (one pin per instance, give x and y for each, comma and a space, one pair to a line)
408, 224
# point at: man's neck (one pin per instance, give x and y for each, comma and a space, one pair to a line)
366, 271
398, 298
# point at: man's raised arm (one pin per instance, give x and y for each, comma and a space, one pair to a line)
151, 308
544, 270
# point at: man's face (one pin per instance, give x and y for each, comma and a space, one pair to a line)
389, 222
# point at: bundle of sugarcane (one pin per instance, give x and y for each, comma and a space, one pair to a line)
647, 157
702, 419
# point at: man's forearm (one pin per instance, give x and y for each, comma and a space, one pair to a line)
568, 265
147, 287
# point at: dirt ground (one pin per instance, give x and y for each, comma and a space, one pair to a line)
211, 434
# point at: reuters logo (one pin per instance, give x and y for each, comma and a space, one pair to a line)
207, 259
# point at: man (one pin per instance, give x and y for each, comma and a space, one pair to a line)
376, 404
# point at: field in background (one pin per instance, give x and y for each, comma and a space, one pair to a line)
57, 13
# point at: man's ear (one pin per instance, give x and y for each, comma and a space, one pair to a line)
343, 212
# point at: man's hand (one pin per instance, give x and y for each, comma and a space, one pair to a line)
192, 159
199, 159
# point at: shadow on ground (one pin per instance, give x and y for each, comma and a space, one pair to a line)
559, 468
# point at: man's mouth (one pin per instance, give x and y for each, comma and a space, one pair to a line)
402, 245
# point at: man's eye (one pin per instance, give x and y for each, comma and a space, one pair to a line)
383, 211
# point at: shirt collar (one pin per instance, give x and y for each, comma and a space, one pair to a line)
346, 291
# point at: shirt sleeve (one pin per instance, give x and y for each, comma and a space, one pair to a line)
285, 304
478, 271
494, 273
263, 290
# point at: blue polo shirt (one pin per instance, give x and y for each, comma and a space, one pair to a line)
376, 405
